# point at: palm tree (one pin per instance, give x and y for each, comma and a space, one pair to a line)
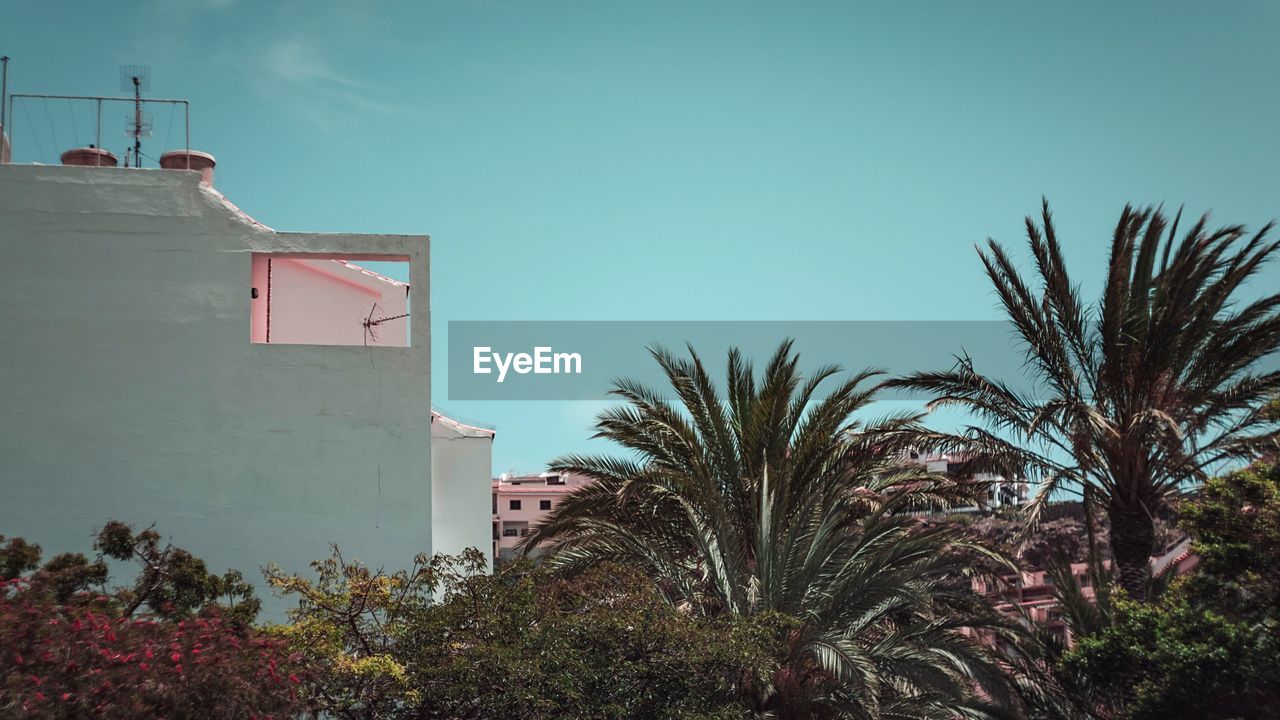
769, 502
1139, 396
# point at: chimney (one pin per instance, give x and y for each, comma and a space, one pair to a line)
89, 157
192, 160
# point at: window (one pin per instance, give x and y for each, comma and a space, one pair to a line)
514, 505
495, 504
555, 480
510, 532
323, 299
544, 504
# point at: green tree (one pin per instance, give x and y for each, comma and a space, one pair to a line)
519, 644
1138, 395
169, 583
1174, 660
1208, 648
352, 625
770, 502
1235, 523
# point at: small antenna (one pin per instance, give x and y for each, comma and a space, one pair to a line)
370, 329
371, 323
136, 78
4, 90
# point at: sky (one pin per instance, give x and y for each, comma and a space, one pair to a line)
673, 160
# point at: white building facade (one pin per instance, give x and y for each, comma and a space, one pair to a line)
133, 390
461, 465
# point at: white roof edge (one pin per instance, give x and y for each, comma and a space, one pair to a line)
462, 428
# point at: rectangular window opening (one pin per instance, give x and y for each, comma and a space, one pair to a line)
325, 299
544, 504
514, 505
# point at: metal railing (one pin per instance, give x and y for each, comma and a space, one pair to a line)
99, 99
460, 419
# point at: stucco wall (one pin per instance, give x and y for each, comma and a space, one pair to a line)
131, 389
461, 468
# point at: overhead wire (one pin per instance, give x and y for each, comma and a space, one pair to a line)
35, 135
75, 129
53, 130
172, 111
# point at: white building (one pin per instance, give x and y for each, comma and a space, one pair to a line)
1001, 491
136, 386
461, 465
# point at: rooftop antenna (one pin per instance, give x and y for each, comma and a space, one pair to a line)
136, 78
4, 89
371, 323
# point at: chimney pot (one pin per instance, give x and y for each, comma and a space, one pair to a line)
201, 162
89, 157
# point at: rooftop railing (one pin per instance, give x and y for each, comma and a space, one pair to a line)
97, 101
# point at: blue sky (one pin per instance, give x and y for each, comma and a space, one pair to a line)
675, 160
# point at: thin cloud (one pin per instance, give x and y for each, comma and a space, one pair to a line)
297, 74
295, 61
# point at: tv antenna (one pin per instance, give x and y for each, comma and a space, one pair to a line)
137, 126
371, 323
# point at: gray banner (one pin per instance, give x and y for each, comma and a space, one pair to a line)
578, 360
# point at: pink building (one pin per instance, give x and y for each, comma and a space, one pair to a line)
1032, 592
519, 504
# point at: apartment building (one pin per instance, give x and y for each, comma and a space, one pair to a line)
520, 502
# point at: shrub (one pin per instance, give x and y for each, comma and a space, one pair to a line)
160, 648
521, 644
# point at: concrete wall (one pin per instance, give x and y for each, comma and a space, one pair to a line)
461, 468
131, 389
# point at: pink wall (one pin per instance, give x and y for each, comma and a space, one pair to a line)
303, 301
530, 491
